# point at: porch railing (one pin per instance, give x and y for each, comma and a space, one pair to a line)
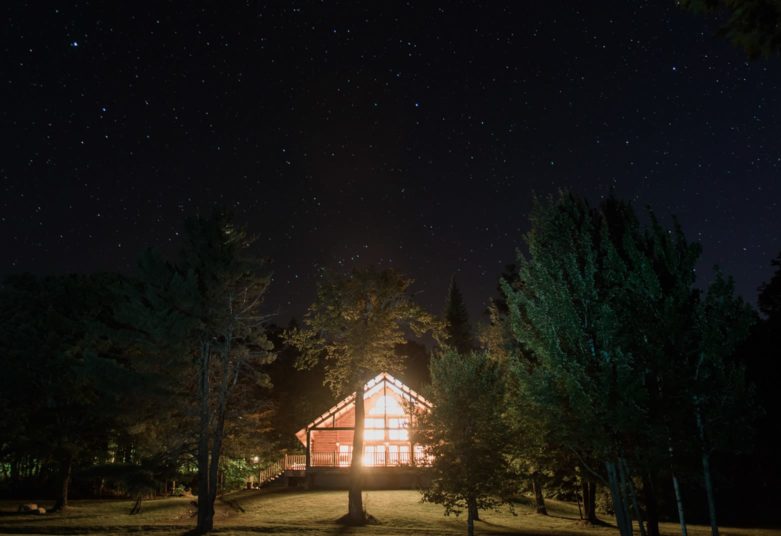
289, 461
340, 459
369, 459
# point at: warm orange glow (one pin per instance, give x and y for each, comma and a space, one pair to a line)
386, 404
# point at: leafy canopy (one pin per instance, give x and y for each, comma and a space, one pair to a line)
355, 324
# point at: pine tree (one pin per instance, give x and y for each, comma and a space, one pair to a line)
564, 311
203, 316
722, 399
769, 298
458, 331
61, 397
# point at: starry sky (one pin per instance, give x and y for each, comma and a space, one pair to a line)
403, 134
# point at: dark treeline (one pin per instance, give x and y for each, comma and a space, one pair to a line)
604, 375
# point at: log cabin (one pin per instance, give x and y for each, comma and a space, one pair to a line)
390, 457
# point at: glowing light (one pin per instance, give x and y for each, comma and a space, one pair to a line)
386, 404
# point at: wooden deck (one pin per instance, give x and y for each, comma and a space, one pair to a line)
294, 465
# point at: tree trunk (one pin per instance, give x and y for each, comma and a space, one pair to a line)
136, 507
714, 526
629, 487
470, 520
471, 503
62, 500
589, 488
354, 497
651, 508
205, 506
679, 503
624, 524
539, 500
228, 378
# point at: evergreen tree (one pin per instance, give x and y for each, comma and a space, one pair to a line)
465, 435
753, 25
61, 396
355, 325
722, 399
770, 295
564, 312
203, 316
458, 332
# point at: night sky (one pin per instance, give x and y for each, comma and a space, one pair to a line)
410, 135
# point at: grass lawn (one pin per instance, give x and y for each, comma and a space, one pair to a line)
310, 513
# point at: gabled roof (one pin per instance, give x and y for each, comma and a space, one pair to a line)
369, 388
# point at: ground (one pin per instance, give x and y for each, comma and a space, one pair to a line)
312, 513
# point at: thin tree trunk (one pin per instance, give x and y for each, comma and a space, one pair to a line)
228, 378
136, 507
205, 506
354, 498
470, 520
679, 503
714, 526
580, 510
471, 503
539, 499
676, 488
62, 500
15, 470
628, 484
651, 509
624, 524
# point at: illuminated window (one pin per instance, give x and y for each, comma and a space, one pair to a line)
398, 429
374, 455
376, 435
386, 404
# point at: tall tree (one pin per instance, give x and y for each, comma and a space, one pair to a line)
770, 294
210, 300
722, 399
564, 310
354, 326
61, 397
466, 435
458, 335
656, 306
458, 331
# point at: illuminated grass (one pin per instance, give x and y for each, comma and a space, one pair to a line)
309, 512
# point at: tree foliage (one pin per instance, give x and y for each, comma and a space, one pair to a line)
619, 337
458, 331
354, 326
203, 316
61, 393
466, 435
753, 25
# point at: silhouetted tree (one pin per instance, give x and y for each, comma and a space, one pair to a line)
60, 396
753, 25
458, 331
355, 325
208, 306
